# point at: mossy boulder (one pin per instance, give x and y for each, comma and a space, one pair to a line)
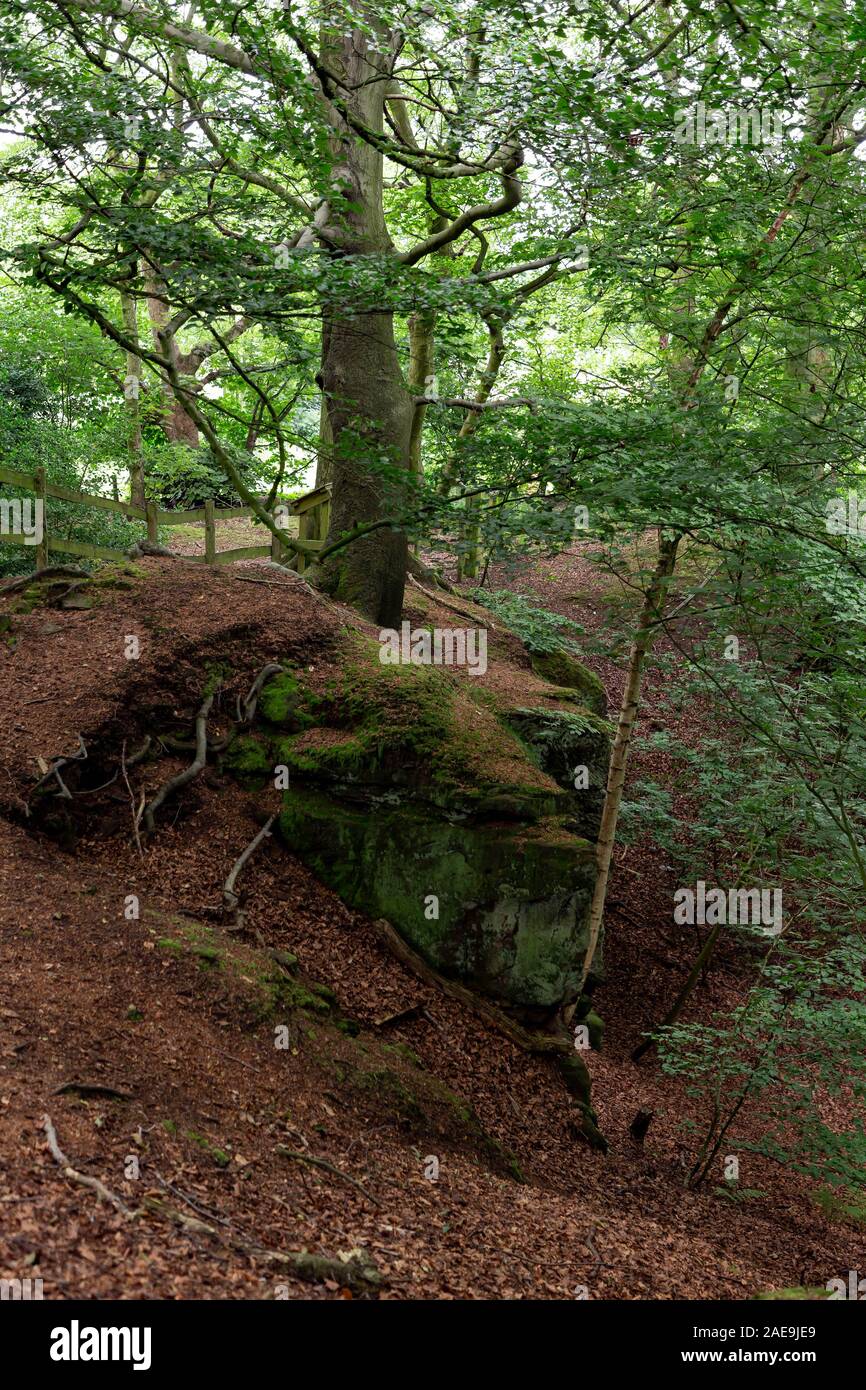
499, 905
412, 733
422, 798
562, 669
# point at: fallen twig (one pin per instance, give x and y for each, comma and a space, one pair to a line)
599, 1262
102, 1192
268, 583
190, 1201
401, 1016
356, 1271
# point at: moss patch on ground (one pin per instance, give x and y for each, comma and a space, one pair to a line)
269, 990
422, 1106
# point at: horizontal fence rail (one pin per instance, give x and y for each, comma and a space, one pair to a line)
313, 511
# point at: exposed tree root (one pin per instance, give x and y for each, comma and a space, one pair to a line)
314, 1162
454, 607
140, 753
137, 811
102, 1192
54, 771
231, 900
14, 586
247, 707
415, 570
195, 767
521, 1037
86, 1089
570, 1065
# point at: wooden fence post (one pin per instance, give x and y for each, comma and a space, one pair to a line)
152, 535
41, 498
209, 532
276, 546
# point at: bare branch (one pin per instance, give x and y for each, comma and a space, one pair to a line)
480, 212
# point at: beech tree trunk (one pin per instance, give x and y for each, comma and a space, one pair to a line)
177, 425
369, 410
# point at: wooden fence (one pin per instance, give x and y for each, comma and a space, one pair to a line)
312, 510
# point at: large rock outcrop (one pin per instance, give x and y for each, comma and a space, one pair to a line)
439, 803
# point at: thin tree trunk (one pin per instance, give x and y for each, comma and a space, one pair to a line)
421, 343
132, 395
472, 418
467, 561
682, 998
649, 620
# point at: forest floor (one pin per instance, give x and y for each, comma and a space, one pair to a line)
142, 1046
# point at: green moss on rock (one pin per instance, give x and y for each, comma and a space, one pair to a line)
561, 668
410, 732
512, 899
562, 741
285, 701
421, 798
250, 758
